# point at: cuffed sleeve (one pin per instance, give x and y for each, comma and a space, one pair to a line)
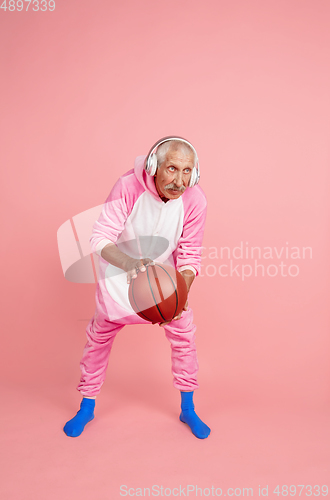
190, 268
103, 243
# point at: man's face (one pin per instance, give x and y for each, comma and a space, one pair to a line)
173, 175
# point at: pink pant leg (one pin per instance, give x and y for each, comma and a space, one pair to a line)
101, 332
100, 336
181, 334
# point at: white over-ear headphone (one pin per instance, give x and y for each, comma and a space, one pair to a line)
150, 164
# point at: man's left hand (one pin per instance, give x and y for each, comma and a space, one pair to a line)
185, 308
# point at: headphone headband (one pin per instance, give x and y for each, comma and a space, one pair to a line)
150, 164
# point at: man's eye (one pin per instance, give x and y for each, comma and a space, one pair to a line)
187, 171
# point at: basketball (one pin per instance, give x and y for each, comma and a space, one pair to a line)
158, 294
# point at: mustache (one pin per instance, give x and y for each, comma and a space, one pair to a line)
174, 187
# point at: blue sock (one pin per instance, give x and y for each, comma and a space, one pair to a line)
188, 416
76, 425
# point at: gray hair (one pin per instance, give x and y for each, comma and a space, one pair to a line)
174, 145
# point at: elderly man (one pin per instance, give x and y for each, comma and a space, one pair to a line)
158, 201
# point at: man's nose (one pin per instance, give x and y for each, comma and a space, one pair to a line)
178, 179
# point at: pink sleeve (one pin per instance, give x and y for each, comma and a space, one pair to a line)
115, 211
189, 249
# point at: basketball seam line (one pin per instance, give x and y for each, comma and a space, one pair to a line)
176, 293
158, 283
154, 296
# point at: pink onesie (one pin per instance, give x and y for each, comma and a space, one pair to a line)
136, 219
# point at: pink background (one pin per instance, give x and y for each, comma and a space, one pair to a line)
84, 90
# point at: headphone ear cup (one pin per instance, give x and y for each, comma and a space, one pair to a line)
194, 177
152, 165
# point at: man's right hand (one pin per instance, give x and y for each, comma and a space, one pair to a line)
133, 266
116, 257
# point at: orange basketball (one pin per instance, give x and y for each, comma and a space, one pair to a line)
158, 294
